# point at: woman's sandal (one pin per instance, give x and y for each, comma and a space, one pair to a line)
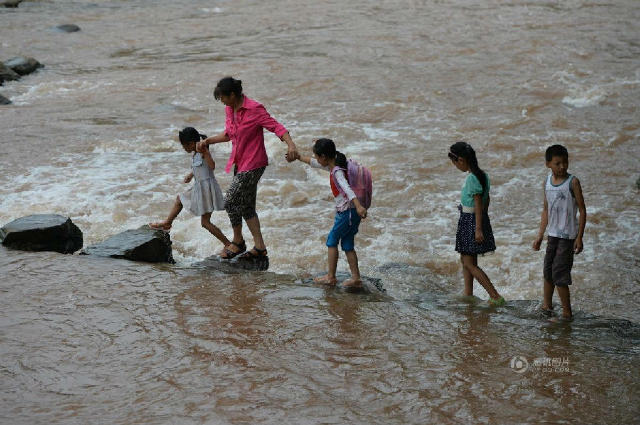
227, 254
160, 225
251, 254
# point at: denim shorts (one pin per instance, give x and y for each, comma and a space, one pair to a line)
344, 229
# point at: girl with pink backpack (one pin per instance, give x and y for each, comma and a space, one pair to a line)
351, 187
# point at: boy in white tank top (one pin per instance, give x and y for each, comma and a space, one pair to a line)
562, 201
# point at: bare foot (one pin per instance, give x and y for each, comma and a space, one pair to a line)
161, 225
547, 311
352, 283
561, 319
326, 280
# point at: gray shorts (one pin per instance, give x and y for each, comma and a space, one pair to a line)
558, 261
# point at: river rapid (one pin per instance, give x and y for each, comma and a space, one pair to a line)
93, 136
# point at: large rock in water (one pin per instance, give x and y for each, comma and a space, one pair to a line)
23, 66
142, 244
7, 74
42, 232
10, 3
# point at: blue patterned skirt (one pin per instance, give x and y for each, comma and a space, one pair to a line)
465, 235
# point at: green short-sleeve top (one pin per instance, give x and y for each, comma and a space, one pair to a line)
472, 186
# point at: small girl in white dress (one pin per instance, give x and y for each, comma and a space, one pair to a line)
205, 196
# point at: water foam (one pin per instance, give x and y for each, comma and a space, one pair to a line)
580, 97
57, 89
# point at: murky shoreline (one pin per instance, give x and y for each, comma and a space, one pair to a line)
131, 343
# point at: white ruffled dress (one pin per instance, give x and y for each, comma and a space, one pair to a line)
205, 195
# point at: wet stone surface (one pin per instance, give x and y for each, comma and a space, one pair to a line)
142, 244
68, 28
42, 232
235, 265
370, 285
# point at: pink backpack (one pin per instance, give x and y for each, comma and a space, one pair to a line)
359, 178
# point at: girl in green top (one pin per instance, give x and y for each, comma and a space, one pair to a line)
474, 235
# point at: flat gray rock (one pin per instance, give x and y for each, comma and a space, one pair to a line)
235, 265
370, 285
142, 244
42, 232
68, 28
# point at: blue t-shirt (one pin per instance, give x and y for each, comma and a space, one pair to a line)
472, 186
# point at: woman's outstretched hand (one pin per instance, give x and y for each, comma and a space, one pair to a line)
201, 146
292, 154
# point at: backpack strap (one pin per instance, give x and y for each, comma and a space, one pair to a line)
335, 180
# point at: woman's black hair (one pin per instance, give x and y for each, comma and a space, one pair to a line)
226, 86
326, 147
464, 150
189, 135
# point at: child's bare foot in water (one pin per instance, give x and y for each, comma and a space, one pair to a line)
161, 225
352, 283
547, 311
326, 280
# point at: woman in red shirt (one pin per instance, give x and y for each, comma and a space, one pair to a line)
244, 124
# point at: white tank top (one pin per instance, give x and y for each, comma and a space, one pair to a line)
562, 209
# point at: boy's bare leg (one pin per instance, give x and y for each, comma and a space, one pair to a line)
479, 275
166, 224
565, 299
355, 280
205, 221
332, 263
468, 277
547, 301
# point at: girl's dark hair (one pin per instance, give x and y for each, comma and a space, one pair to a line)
464, 150
226, 86
326, 148
190, 134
